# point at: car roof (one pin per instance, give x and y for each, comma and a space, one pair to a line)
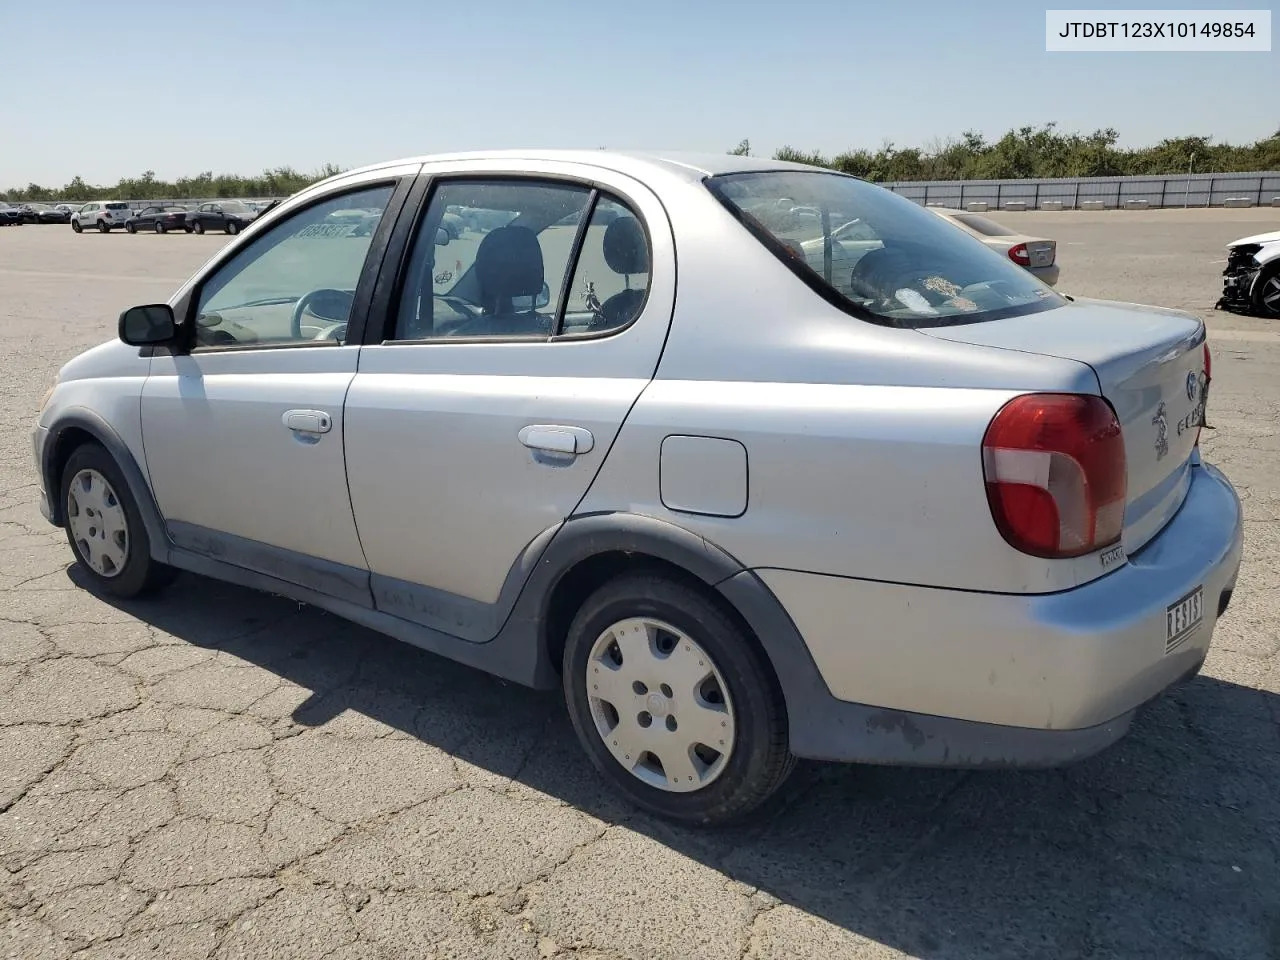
687, 165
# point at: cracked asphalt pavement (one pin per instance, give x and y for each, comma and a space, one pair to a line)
219, 773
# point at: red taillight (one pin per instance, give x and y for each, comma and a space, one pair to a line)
1055, 471
1204, 391
1019, 255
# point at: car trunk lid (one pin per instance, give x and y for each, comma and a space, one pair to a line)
1042, 252
1150, 367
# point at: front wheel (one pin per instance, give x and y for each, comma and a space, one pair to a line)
75, 226
105, 528
1266, 291
673, 703
130, 228
197, 227
232, 228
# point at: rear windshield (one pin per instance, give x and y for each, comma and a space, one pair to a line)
117, 206
877, 255
988, 228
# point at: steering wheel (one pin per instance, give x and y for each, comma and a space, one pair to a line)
339, 299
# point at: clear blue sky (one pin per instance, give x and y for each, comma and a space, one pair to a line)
237, 86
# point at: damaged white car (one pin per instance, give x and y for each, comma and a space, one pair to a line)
1251, 281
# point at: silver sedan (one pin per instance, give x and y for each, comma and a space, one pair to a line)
627, 437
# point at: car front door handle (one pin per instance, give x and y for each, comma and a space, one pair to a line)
557, 439
307, 421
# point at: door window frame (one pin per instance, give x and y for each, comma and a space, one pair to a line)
401, 186
390, 286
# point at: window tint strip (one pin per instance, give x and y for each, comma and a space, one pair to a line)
575, 254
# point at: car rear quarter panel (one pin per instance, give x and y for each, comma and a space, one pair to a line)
863, 442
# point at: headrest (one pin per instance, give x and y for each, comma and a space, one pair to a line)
509, 264
625, 250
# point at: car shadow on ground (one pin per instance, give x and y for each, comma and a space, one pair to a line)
1167, 845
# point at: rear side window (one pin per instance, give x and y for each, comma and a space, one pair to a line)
611, 279
117, 206
876, 254
523, 259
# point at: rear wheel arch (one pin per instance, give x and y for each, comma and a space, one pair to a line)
592, 550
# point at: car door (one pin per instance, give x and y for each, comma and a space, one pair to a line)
244, 426
485, 406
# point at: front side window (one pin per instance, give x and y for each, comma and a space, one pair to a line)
296, 282
901, 266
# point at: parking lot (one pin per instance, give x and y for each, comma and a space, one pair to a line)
219, 773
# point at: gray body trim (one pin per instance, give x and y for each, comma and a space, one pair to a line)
346, 583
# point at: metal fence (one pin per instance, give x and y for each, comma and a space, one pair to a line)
1109, 193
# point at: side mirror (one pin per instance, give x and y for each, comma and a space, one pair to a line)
442, 237
544, 297
148, 325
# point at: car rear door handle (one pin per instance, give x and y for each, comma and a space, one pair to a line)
553, 438
307, 421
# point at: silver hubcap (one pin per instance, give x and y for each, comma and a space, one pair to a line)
1271, 294
660, 705
97, 523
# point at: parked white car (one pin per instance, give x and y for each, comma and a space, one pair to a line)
929, 513
1251, 279
101, 215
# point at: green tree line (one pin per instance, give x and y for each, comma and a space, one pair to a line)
1034, 152
280, 182
1024, 153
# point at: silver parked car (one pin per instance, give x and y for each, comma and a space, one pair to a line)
1039, 255
925, 512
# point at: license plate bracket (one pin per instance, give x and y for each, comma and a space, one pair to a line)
1183, 618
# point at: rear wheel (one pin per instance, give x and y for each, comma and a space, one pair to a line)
105, 528
1266, 291
102, 227
159, 227
674, 705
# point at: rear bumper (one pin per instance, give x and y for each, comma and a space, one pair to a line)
924, 676
1047, 274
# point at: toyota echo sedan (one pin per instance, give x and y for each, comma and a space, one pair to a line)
623, 437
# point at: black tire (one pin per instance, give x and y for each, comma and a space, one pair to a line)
130, 228
75, 226
141, 574
103, 227
197, 227
160, 228
232, 228
1267, 285
760, 761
